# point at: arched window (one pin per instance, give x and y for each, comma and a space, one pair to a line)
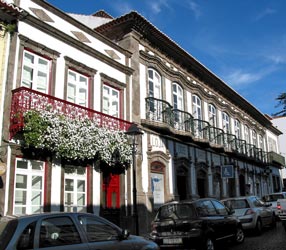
197, 107
225, 122
237, 129
212, 115
154, 84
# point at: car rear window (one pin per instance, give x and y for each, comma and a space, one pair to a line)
236, 204
273, 197
7, 229
176, 211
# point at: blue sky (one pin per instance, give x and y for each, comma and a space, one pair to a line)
243, 42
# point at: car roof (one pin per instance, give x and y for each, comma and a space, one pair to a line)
42, 215
240, 197
190, 201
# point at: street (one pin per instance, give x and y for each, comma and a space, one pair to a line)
271, 239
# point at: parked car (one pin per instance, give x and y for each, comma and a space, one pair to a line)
253, 213
272, 198
80, 231
199, 224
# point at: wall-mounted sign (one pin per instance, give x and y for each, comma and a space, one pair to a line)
3, 168
227, 171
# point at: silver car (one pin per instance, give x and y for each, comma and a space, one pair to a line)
272, 198
80, 231
253, 213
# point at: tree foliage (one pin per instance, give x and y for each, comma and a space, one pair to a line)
281, 102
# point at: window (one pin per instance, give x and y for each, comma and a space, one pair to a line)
225, 123
77, 88
75, 189
197, 107
237, 129
97, 230
110, 101
254, 138
212, 115
246, 134
154, 82
58, 231
220, 208
29, 187
261, 144
35, 72
178, 97
26, 239
205, 208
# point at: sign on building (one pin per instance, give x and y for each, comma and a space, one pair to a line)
227, 171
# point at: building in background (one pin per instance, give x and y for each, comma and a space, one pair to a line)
280, 123
73, 86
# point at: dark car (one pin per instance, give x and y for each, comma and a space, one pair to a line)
67, 231
199, 224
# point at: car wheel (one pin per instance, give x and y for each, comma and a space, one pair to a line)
239, 236
258, 228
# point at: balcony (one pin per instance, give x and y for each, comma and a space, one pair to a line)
25, 99
276, 158
160, 114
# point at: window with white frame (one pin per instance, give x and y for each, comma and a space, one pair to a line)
75, 189
178, 96
154, 82
29, 186
246, 134
178, 103
77, 88
111, 102
261, 144
212, 115
35, 72
197, 107
237, 129
254, 138
225, 122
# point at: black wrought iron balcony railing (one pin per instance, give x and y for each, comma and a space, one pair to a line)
25, 99
161, 111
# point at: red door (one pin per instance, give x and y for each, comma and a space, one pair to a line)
111, 191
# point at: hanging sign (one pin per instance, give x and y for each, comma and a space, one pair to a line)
227, 171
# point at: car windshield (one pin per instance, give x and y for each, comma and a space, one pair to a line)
236, 204
176, 211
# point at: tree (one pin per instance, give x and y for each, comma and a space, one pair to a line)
281, 102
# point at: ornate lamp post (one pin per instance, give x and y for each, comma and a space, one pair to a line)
134, 132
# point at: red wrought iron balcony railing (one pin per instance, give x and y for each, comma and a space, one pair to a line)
25, 99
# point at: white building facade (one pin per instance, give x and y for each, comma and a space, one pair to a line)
200, 138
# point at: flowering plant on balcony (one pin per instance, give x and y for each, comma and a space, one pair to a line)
75, 139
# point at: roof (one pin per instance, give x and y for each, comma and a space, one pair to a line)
9, 11
117, 28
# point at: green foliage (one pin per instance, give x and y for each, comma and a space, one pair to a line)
281, 102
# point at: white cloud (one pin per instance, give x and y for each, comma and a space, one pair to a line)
240, 79
264, 13
195, 8
157, 6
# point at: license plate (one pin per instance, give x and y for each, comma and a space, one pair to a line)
173, 241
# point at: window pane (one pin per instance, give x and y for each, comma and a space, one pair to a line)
36, 182
37, 198
22, 164
21, 181
20, 197
69, 185
37, 165
81, 186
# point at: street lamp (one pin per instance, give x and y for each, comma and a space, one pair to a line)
134, 132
